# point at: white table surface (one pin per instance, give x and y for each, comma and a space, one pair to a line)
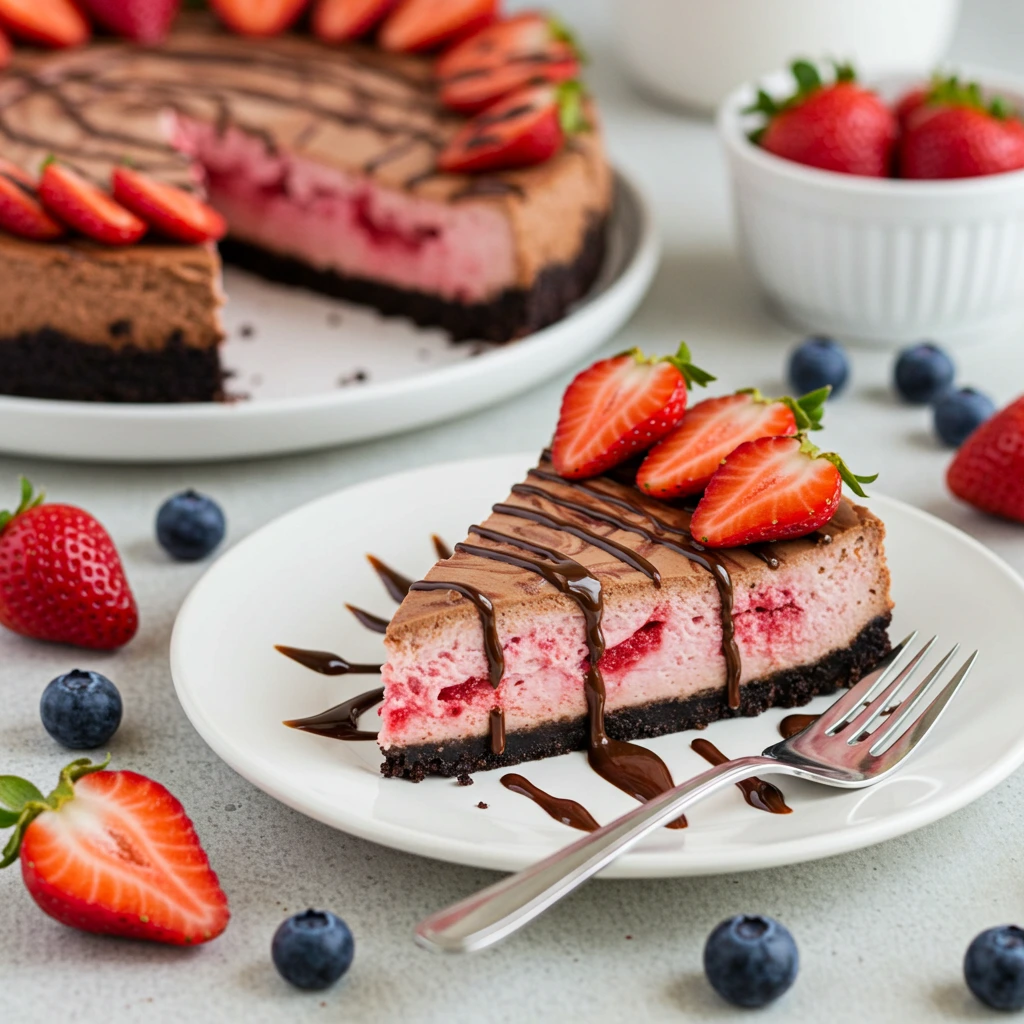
882, 932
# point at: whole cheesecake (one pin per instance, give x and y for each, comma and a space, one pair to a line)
323, 161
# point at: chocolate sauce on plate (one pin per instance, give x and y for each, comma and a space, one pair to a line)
568, 812
372, 622
758, 793
342, 721
443, 551
792, 724
394, 582
326, 663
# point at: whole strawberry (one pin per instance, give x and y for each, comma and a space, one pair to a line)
957, 133
144, 21
988, 470
112, 853
837, 126
61, 578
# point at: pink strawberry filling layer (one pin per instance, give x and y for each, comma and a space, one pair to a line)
659, 647
333, 220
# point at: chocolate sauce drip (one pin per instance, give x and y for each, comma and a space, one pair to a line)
496, 722
792, 724
395, 583
568, 812
758, 793
372, 622
478, 187
342, 721
764, 552
492, 644
632, 768
325, 663
685, 546
443, 551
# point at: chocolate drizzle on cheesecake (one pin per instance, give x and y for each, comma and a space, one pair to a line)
562, 809
758, 793
496, 723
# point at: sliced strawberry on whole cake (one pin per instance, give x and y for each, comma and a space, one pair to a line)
583, 613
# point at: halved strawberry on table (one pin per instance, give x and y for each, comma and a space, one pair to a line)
336, 21
112, 852
774, 488
417, 25
170, 210
21, 213
78, 203
54, 23
684, 461
619, 407
61, 578
258, 17
525, 128
836, 126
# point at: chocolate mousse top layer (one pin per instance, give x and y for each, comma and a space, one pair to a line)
353, 108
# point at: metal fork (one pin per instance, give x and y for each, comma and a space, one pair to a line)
851, 745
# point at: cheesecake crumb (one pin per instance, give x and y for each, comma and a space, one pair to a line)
464, 779
483, 806
247, 330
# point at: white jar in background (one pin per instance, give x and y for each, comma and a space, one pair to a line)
694, 52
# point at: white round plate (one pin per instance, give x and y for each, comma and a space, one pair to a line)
288, 584
311, 371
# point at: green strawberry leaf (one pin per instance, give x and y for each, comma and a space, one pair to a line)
849, 477
571, 116
16, 792
808, 409
561, 33
807, 76
8, 818
28, 500
691, 374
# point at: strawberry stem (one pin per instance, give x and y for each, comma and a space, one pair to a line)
21, 802
561, 33
571, 116
28, 500
807, 409
851, 479
691, 374
951, 92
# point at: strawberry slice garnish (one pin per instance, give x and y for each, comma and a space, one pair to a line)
144, 21
525, 128
172, 211
988, 471
335, 21
86, 208
5, 49
424, 24
61, 578
687, 458
474, 89
21, 213
258, 17
44, 22
507, 40
113, 853
774, 488
619, 407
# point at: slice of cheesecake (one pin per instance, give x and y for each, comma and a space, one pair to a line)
490, 657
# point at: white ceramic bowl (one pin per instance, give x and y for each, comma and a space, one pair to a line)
879, 261
694, 51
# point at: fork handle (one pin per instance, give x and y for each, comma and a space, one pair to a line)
496, 912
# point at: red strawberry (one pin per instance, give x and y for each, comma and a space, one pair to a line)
335, 21
988, 470
686, 459
837, 127
258, 17
5, 50
172, 211
86, 208
619, 407
44, 22
520, 130
145, 21
113, 853
423, 24
909, 104
473, 90
21, 213
61, 578
773, 488
955, 133
507, 40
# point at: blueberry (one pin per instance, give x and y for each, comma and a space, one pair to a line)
313, 949
958, 414
817, 363
923, 373
750, 960
81, 710
994, 967
189, 526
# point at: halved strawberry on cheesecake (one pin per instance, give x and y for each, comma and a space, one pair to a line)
584, 608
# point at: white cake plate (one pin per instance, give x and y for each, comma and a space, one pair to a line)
312, 372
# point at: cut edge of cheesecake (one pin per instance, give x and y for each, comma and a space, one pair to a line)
814, 623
